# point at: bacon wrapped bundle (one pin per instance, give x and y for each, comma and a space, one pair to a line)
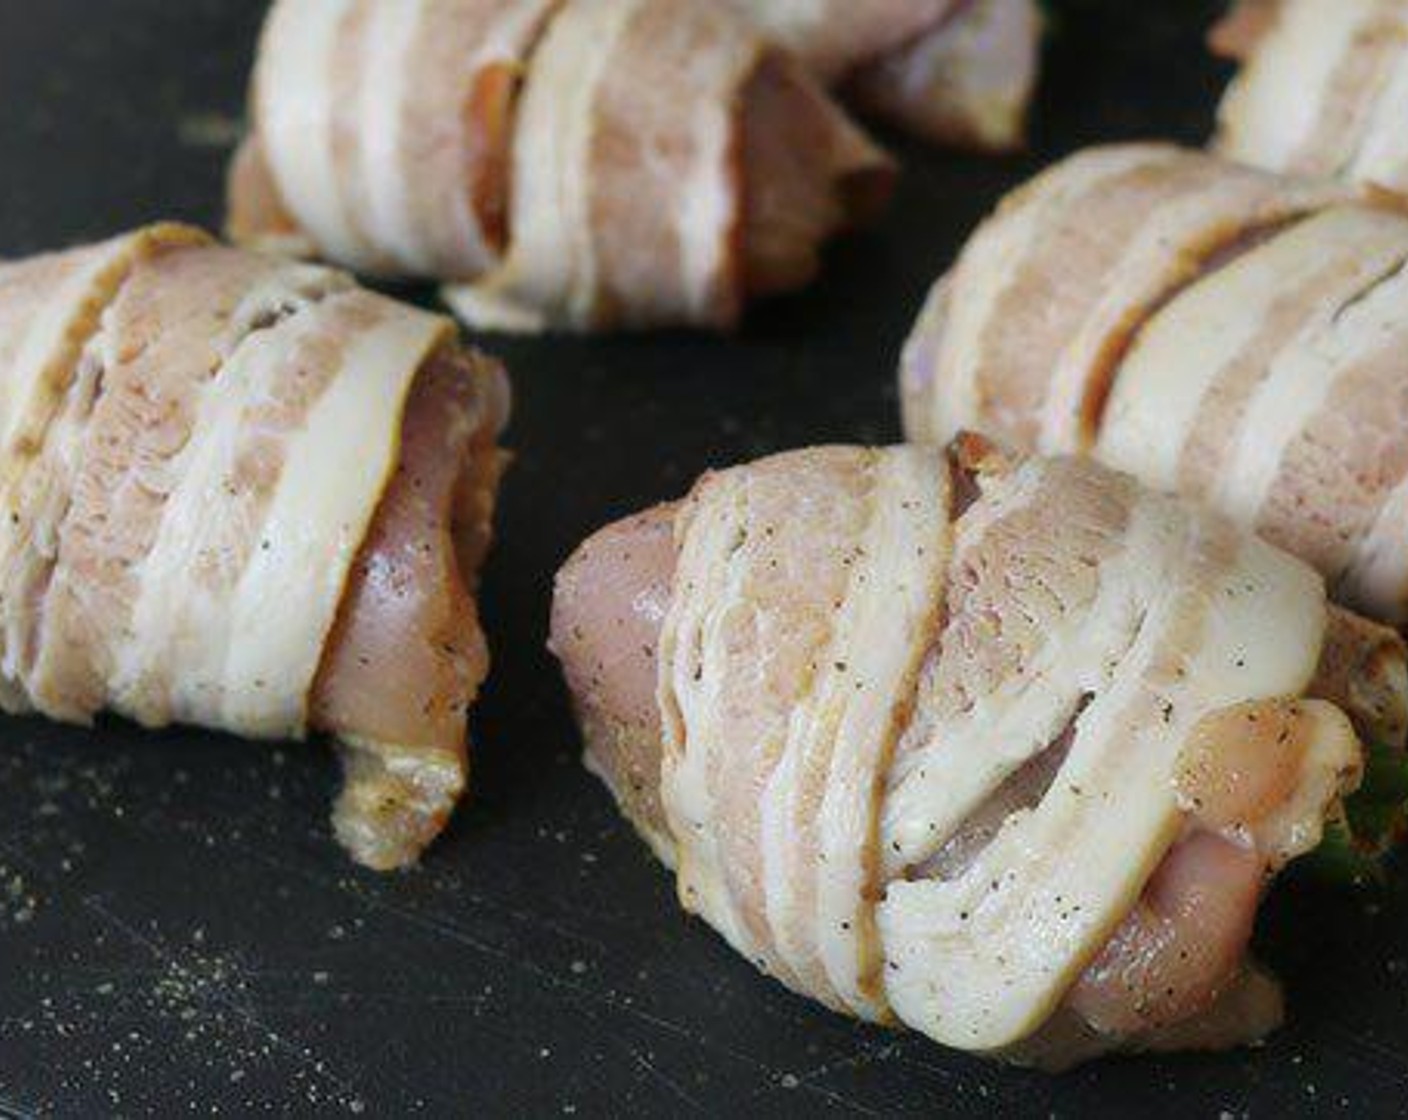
247, 495
1001, 750
584, 164
1219, 331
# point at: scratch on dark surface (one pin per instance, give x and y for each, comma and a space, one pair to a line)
373, 904
931, 1068
351, 890
1383, 1060
645, 1063
773, 1075
806, 1082
221, 997
537, 921
551, 981
12, 1110
441, 927
852, 1061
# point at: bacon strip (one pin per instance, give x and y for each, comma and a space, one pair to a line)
917, 742
215, 440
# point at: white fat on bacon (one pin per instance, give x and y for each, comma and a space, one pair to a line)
1323, 89
580, 164
206, 454
943, 742
1212, 329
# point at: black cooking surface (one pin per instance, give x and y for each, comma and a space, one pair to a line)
178, 932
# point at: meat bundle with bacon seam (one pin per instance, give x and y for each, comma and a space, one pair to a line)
246, 494
953, 71
1220, 331
583, 164
1323, 89
1002, 750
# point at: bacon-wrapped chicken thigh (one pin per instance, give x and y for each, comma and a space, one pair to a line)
1323, 89
953, 71
1005, 751
584, 164
248, 495
1220, 331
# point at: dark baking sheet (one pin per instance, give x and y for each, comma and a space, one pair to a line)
177, 932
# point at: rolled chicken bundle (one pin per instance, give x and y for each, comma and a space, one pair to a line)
247, 495
1323, 90
953, 71
585, 164
1212, 329
1001, 750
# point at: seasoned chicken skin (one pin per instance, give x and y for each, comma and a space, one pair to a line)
251, 496
1005, 751
580, 164
1212, 329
